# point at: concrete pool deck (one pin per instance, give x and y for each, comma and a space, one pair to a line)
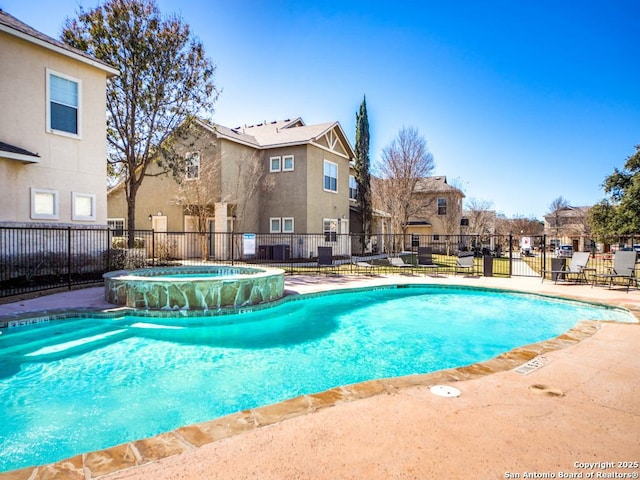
578, 414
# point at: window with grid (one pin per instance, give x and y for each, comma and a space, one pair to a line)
442, 206
192, 164
330, 229
117, 225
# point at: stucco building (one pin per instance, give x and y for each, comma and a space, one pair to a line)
52, 130
281, 177
440, 209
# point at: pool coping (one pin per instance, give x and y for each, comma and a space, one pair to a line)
139, 452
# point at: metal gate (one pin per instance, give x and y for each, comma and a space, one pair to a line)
527, 255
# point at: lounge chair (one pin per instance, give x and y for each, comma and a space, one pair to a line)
624, 266
577, 266
399, 262
425, 259
363, 266
325, 258
465, 264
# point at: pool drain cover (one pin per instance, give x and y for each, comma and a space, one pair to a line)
444, 391
532, 365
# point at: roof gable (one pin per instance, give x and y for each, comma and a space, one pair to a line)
11, 25
282, 133
436, 185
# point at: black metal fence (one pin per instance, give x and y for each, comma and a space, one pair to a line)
34, 258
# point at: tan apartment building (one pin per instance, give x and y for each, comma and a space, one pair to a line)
569, 226
52, 130
282, 177
439, 208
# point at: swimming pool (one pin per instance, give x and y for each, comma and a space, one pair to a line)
73, 386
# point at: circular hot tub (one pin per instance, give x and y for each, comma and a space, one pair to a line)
211, 287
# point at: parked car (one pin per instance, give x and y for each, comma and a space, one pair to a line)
564, 251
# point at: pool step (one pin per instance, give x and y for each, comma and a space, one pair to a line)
20, 344
75, 346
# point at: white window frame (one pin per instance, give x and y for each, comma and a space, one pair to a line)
55, 215
279, 167
353, 186
114, 225
48, 127
284, 163
326, 164
438, 206
83, 218
275, 219
284, 225
330, 233
192, 159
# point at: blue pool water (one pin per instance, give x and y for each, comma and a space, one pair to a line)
73, 386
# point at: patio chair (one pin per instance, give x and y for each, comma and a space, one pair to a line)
325, 259
400, 263
465, 264
363, 266
577, 266
425, 259
624, 266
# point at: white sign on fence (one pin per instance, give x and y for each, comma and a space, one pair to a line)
249, 243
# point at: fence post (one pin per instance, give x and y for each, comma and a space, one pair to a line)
510, 254
544, 254
108, 266
232, 249
69, 257
153, 247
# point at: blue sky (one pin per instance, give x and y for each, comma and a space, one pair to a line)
520, 101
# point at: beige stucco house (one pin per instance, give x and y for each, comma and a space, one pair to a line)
52, 130
569, 225
282, 177
440, 209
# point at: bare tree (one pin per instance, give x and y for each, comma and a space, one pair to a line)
555, 207
198, 195
250, 180
404, 162
481, 216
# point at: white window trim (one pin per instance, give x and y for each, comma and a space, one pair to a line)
279, 220
271, 159
329, 232
284, 221
323, 175
438, 206
112, 220
48, 128
355, 188
187, 157
83, 218
284, 168
45, 216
